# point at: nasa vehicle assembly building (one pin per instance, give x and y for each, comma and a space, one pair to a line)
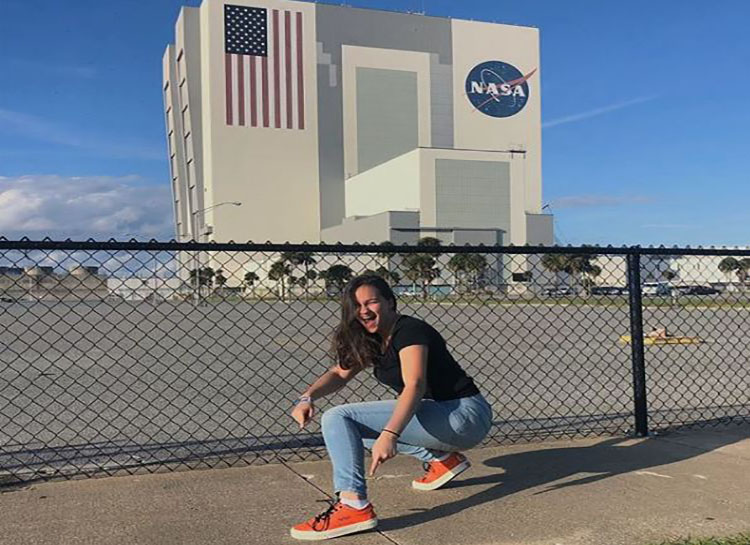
337, 124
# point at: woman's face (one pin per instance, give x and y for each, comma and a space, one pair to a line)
374, 312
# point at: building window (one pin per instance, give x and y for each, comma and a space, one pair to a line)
186, 125
190, 175
183, 94
189, 146
180, 57
523, 276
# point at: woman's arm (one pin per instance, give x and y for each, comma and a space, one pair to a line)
332, 380
414, 373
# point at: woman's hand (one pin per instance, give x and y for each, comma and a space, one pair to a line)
384, 449
303, 413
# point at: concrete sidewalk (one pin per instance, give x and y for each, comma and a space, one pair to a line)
594, 491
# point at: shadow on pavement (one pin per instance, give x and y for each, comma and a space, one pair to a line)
547, 466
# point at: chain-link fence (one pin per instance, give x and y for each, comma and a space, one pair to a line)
127, 356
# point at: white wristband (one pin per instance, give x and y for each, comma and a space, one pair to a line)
304, 399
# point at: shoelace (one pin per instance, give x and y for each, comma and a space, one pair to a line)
429, 467
325, 516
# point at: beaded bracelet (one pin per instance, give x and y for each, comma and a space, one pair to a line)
303, 399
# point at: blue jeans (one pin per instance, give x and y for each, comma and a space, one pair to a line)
437, 427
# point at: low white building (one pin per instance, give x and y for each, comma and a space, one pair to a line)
147, 288
677, 270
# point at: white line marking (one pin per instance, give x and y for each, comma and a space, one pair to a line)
651, 473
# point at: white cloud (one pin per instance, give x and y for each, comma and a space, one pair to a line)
96, 207
596, 112
598, 200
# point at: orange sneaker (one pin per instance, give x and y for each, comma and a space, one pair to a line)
439, 473
338, 520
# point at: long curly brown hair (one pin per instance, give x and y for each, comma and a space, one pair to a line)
352, 346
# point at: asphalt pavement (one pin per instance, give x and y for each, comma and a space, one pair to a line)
612, 490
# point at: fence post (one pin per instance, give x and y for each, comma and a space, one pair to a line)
636, 343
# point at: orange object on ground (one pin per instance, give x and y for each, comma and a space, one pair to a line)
439, 473
337, 520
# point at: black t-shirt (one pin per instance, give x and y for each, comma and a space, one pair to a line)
445, 378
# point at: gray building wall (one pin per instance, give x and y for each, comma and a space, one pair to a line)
539, 229
387, 115
488, 237
375, 229
472, 194
338, 25
441, 93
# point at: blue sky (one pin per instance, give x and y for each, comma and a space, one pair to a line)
645, 110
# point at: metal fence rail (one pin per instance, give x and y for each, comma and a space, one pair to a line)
134, 356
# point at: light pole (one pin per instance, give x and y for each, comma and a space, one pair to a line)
197, 237
194, 215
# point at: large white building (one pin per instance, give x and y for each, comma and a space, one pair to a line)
330, 123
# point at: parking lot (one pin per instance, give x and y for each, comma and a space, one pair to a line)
131, 384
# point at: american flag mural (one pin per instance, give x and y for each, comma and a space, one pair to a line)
263, 66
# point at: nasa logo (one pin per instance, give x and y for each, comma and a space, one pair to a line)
498, 89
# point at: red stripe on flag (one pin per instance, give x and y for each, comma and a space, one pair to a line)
241, 88
228, 78
264, 88
253, 95
288, 61
300, 75
276, 75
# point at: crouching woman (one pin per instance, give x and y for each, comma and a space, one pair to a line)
438, 412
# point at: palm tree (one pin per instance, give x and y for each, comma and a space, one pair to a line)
467, 268
279, 272
578, 266
556, 263
431, 241
388, 252
583, 270
458, 266
392, 277
336, 277
249, 280
202, 277
589, 273
308, 278
728, 265
295, 259
386, 255
743, 266
421, 268
220, 279
476, 265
